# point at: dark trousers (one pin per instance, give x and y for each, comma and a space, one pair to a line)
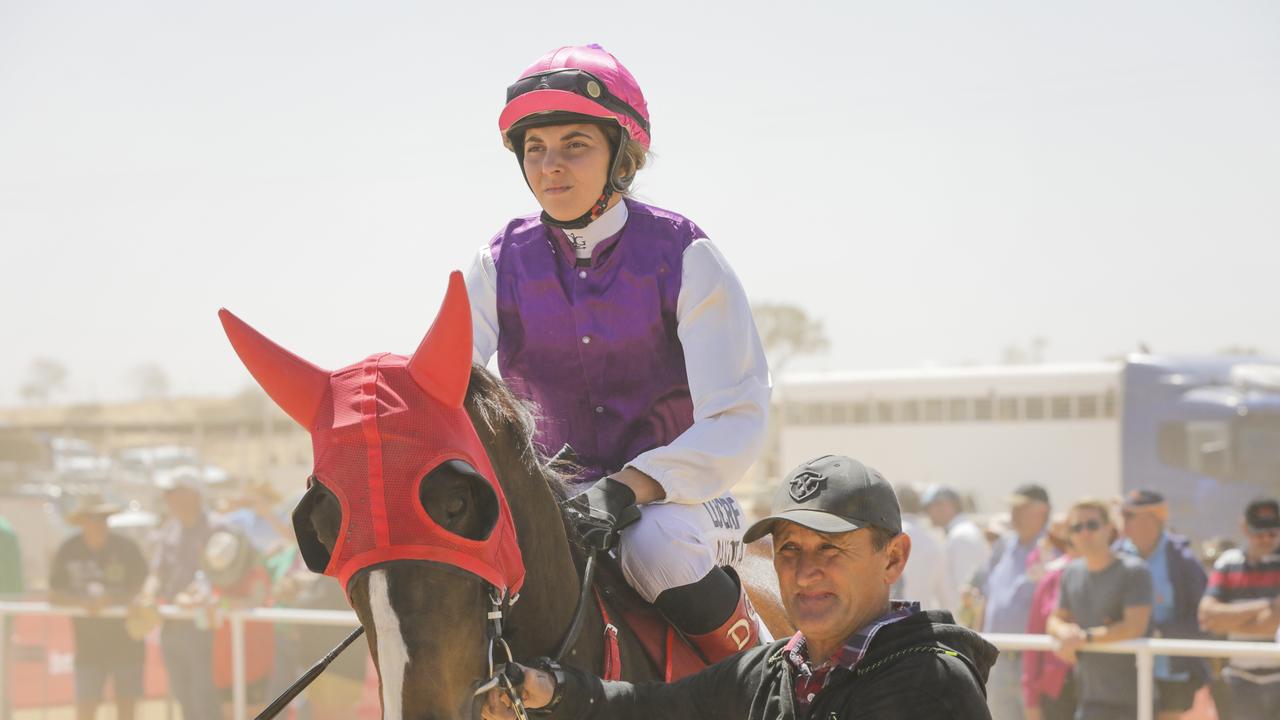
1253, 701
188, 661
1062, 707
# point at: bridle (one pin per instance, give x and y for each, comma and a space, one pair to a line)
500, 604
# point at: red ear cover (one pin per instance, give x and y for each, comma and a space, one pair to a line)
441, 365
296, 385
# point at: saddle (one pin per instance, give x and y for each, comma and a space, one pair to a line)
669, 653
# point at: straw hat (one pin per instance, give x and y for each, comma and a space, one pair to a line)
92, 506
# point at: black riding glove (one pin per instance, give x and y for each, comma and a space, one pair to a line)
599, 513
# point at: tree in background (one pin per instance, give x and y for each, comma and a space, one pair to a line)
45, 377
1241, 350
787, 332
1031, 354
149, 382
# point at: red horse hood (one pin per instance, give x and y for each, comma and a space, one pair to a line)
378, 428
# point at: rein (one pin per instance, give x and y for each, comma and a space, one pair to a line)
307, 678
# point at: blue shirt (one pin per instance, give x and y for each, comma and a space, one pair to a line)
1162, 608
1008, 589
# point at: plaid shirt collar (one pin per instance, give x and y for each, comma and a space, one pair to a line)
809, 680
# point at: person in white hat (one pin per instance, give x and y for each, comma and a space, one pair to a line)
93, 569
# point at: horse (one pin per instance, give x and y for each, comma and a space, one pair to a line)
427, 614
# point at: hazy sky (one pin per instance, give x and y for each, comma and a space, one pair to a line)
934, 181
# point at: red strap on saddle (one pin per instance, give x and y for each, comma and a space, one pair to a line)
612, 654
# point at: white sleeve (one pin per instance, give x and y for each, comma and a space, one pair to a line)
482, 291
728, 380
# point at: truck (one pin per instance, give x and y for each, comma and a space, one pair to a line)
1203, 431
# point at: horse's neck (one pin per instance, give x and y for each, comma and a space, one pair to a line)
551, 582
541, 617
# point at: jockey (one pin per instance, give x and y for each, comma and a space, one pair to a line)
628, 329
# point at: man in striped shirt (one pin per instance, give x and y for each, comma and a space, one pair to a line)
1243, 603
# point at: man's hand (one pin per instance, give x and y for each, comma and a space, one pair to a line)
93, 604
536, 689
1070, 637
601, 512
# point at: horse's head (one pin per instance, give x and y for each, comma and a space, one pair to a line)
403, 506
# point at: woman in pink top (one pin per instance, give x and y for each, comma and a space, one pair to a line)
1048, 686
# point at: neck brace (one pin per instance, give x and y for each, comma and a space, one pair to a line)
584, 240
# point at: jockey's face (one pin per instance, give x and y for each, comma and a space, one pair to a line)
566, 166
834, 584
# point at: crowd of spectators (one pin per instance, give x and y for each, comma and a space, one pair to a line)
1102, 571
1105, 571
211, 560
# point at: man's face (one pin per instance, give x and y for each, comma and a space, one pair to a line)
95, 530
1028, 518
940, 512
1261, 542
184, 503
1141, 526
833, 584
1090, 530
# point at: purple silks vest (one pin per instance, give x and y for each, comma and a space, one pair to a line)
595, 346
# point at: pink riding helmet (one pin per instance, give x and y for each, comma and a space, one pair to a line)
584, 80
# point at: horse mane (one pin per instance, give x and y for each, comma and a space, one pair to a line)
504, 414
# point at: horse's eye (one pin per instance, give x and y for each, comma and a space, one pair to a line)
460, 500
456, 506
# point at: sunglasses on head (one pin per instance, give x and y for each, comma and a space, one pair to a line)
578, 82
1090, 525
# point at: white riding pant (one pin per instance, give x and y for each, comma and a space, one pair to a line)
675, 545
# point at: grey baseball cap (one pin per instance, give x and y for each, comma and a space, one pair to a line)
832, 494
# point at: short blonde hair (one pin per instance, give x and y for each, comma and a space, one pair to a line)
1097, 505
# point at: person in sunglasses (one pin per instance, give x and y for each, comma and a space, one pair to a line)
1242, 602
1105, 596
627, 328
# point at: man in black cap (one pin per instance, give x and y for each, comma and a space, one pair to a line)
1242, 602
1177, 583
838, 548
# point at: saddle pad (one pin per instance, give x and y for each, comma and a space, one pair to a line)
665, 647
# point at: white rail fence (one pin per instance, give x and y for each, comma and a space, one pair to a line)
1144, 650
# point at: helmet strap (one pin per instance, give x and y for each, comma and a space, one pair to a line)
585, 219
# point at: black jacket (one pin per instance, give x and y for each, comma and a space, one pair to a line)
1189, 581
918, 668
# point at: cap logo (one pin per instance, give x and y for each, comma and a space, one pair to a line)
593, 88
806, 484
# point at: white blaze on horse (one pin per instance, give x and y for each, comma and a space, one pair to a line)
431, 505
